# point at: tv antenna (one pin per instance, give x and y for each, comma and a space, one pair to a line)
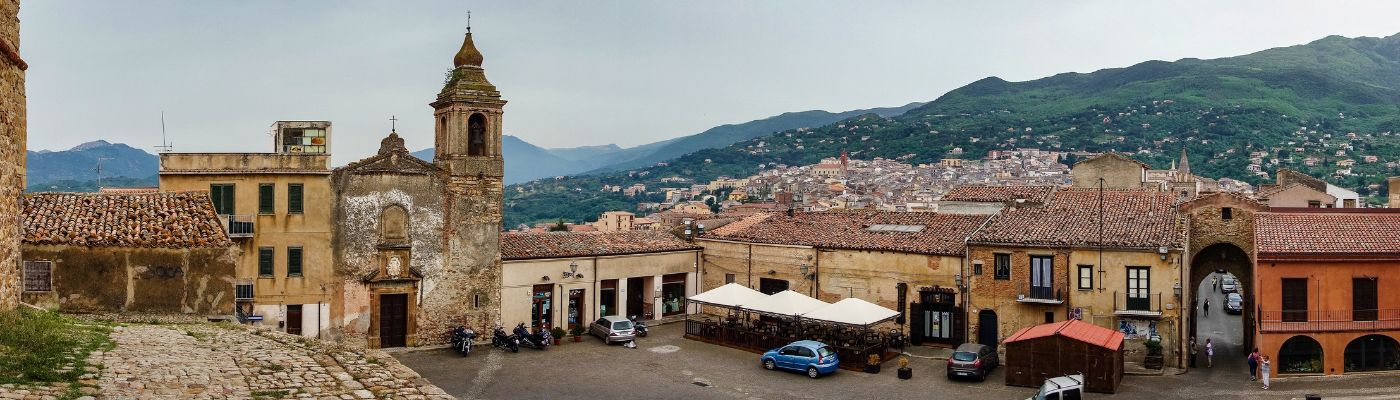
165, 147
98, 169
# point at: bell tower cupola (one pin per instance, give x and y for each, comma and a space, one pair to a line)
467, 117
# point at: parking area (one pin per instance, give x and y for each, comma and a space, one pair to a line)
667, 366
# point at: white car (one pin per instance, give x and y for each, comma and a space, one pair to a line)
1228, 284
1068, 387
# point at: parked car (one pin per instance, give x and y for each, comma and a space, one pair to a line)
1069, 387
972, 360
1234, 303
813, 357
1228, 284
613, 329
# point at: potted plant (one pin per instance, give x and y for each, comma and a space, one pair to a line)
577, 331
557, 332
1154, 355
872, 366
904, 371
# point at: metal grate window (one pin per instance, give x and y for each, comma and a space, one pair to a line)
38, 276
243, 291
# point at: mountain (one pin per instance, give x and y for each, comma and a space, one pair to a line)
527, 162
1301, 105
75, 169
725, 135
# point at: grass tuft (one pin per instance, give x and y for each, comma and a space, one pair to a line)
42, 346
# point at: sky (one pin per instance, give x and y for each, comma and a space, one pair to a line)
585, 73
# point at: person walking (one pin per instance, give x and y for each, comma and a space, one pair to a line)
1210, 353
1214, 282
1264, 370
1206, 309
1254, 364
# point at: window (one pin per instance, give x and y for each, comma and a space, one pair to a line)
728, 278
222, 196
38, 276
304, 140
1314, 204
1002, 263
293, 261
1042, 277
1363, 299
243, 291
266, 198
1138, 283
1226, 213
1086, 277
265, 262
476, 301
1295, 299
294, 198
977, 268
788, 351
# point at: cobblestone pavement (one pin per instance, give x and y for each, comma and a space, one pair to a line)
210, 361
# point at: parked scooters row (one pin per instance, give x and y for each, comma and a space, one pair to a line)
462, 337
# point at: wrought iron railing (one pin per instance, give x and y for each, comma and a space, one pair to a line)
238, 226
1043, 294
1137, 302
1329, 320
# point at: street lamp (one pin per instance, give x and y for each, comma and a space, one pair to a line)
573, 269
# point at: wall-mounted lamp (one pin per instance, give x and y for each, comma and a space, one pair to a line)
573, 270
806, 269
1176, 288
958, 280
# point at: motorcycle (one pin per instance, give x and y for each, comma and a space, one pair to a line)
501, 340
639, 327
539, 340
462, 338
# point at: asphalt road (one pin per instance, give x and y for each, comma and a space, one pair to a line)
1226, 333
667, 366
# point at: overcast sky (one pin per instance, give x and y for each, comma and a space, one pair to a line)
584, 73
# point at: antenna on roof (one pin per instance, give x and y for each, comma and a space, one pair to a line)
98, 169
165, 147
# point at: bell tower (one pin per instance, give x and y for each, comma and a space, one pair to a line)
467, 120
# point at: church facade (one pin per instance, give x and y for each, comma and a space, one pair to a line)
417, 244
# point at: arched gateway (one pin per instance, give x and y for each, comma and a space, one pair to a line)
1220, 238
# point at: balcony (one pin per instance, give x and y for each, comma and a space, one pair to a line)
1329, 320
1142, 305
1041, 295
237, 226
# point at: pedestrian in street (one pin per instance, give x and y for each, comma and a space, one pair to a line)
1254, 364
1206, 309
1264, 370
1210, 353
1214, 283
1193, 352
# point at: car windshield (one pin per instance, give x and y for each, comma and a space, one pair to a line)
825, 351
1228, 281
622, 325
964, 356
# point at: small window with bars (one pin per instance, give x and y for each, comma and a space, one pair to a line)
243, 291
38, 276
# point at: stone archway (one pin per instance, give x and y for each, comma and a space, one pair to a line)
1220, 237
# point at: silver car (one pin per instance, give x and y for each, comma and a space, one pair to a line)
612, 329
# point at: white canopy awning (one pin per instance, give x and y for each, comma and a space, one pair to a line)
787, 303
853, 311
729, 295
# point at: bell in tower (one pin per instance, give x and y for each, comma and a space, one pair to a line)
468, 118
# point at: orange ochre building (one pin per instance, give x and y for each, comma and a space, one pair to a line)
1322, 279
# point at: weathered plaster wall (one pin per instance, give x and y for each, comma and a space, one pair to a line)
190, 281
1117, 173
520, 276
360, 201
987, 293
12, 146
1100, 306
473, 268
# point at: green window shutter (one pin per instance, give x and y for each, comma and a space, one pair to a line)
266, 198
293, 261
221, 194
294, 198
265, 261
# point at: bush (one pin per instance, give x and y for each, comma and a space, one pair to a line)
577, 330
557, 332
1154, 347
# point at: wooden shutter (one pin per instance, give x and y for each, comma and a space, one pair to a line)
265, 261
294, 198
267, 198
1295, 299
1363, 299
293, 261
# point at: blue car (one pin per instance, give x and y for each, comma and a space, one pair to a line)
813, 357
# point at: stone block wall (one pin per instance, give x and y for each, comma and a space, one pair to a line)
12, 145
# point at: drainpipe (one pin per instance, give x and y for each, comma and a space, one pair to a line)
750, 259
318, 320
698, 259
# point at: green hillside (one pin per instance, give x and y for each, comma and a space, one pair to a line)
1221, 110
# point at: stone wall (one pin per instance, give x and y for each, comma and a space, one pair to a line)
117, 279
1118, 172
12, 146
473, 269
988, 293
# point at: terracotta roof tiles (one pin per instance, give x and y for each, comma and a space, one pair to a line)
164, 220
1327, 233
1136, 218
998, 194
940, 234
525, 246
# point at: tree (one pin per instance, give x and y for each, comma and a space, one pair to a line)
559, 227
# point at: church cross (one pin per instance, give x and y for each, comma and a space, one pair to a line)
469, 21
393, 123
